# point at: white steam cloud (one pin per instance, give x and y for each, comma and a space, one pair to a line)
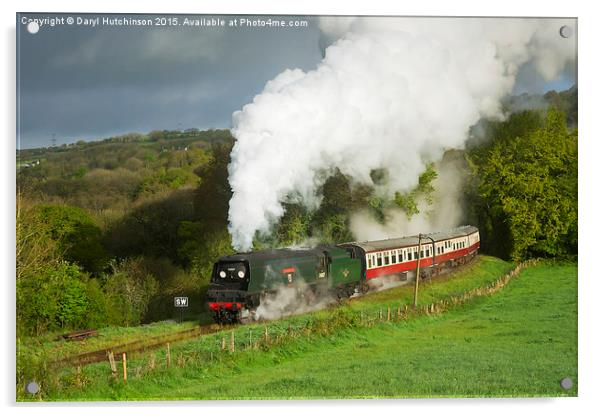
390, 93
448, 194
291, 300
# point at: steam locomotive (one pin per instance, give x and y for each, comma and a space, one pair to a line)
240, 282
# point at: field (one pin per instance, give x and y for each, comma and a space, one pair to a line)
520, 341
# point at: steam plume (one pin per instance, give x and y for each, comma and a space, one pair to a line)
390, 93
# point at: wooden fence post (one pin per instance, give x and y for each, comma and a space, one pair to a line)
168, 356
78, 379
151, 363
389, 313
231, 341
112, 363
125, 368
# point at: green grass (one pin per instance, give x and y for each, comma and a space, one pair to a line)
520, 342
48, 347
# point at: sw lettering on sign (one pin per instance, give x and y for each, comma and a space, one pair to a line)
180, 301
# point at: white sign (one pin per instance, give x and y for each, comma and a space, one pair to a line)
180, 301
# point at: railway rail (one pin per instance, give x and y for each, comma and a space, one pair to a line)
137, 346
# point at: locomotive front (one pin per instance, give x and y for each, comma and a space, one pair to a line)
227, 294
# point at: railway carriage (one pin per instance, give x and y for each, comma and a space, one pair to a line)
438, 250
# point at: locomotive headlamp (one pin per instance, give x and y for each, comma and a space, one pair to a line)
222, 274
241, 274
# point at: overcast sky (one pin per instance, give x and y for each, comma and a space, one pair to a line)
77, 82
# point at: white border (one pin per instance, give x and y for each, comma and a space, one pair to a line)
589, 118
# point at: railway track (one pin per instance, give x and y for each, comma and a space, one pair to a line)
137, 346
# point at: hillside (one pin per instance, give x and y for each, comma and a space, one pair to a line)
520, 341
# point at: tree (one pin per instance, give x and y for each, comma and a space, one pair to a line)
35, 249
526, 186
52, 297
128, 291
76, 234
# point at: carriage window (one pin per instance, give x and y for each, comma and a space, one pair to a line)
369, 262
379, 259
428, 252
386, 255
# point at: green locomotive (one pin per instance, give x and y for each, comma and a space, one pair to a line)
239, 282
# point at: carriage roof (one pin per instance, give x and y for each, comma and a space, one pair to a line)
384, 244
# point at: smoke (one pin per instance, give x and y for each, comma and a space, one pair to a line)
392, 93
390, 281
291, 300
445, 212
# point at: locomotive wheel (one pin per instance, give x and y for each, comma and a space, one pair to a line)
226, 317
364, 287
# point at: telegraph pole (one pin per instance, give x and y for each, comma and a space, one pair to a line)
417, 271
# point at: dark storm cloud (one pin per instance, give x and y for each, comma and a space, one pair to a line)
79, 82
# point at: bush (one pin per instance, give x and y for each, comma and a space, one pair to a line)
53, 297
129, 291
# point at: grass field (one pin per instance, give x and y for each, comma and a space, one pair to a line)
519, 342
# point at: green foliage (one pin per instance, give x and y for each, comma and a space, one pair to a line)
565, 102
76, 234
213, 195
167, 178
53, 297
294, 225
140, 190
200, 245
35, 248
128, 292
151, 228
97, 307
408, 201
340, 198
526, 186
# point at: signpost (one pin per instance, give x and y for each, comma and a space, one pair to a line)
417, 271
181, 303
420, 236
